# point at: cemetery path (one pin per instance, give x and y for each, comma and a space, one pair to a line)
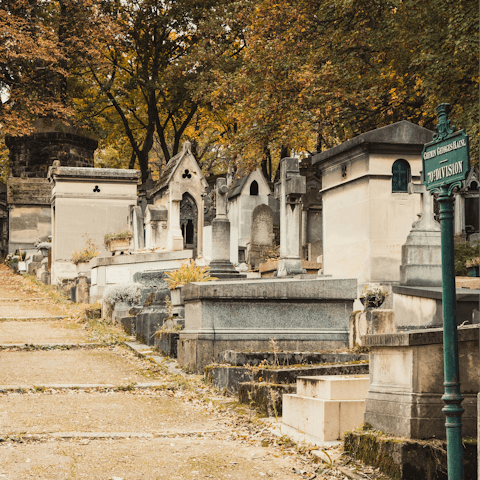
76, 403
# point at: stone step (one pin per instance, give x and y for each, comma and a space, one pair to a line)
334, 387
85, 386
23, 299
34, 319
52, 346
325, 420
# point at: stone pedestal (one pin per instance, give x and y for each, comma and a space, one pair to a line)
220, 266
325, 407
421, 254
406, 382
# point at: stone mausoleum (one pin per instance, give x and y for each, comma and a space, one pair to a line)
28, 190
367, 210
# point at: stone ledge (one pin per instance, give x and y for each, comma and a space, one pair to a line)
463, 294
140, 258
89, 173
274, 288
404, 459
418, 337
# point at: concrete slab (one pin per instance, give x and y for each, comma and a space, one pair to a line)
68, 367
41, 332
27, 309
96, 412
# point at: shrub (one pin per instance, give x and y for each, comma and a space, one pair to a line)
87, 253
464, 252
125, 235
125, 292
187, 273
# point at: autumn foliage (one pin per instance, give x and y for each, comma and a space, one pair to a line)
243, 80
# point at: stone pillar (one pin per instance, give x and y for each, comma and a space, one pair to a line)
220, 266
289, 190
174, 236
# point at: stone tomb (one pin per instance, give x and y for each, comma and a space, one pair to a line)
288, 190
299, 314
406, 382
244, 195
181, 190
120, 269
87, 202
28, 190
156, 217
367, 211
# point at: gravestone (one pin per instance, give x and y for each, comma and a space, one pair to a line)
261, 236
421, 254
289, 190
136, 226
220, 266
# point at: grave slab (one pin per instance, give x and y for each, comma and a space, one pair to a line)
298, 314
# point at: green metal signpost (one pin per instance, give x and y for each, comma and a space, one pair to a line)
446, 163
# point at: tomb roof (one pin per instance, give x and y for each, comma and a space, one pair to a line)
399, 133
171, 167
93, 173
236, 187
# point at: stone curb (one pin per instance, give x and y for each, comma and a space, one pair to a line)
93, 386
34, 319
23, 299
54, 346
101, 435
148, 353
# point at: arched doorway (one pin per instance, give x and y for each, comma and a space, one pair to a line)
189, 222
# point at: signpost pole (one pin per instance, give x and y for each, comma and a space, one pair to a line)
445, 164
452, 397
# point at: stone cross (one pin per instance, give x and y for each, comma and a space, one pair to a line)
221, 190
426, 221
289, 190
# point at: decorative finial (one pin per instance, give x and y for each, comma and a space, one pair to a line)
187, 146
443, 126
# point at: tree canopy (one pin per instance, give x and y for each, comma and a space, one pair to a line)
246, 81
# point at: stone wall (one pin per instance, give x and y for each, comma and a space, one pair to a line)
30, 156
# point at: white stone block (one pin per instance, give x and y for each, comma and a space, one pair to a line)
334, 387
323, 419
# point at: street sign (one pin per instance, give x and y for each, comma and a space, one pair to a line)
446, 161
445, 165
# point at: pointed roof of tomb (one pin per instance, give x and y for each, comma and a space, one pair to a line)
172, 166
238, 185
399, 133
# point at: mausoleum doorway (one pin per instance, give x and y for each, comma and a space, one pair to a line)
189, 222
